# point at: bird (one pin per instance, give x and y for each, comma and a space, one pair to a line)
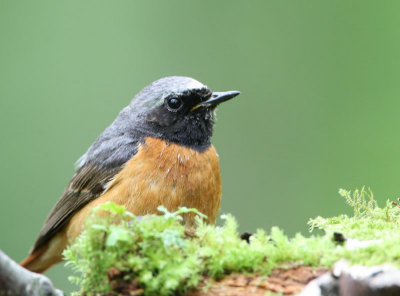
157, 151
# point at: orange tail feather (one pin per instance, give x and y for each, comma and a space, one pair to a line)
32, 262
46, 256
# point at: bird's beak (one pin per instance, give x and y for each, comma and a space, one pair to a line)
217, 98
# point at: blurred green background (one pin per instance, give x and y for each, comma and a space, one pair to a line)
319, 108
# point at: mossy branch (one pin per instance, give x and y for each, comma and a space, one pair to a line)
154, 255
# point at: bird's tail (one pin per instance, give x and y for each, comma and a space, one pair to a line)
42, 258
36, 261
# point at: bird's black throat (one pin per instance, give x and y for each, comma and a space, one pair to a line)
192, 129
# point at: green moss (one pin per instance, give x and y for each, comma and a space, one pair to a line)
378, 226
155, 251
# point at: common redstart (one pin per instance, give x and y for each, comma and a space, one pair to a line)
156, 152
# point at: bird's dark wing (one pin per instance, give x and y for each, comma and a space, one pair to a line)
88, 183
98, 166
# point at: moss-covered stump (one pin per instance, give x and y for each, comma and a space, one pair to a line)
281, 281
156, 255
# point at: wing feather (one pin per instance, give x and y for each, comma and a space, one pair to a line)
97, 167
88, 183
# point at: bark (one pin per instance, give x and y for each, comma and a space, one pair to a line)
357, 280
286, 281
18, 281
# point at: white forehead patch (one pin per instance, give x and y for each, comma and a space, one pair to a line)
195, 84
155, 93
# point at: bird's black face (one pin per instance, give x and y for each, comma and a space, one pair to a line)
181, 111
176, 108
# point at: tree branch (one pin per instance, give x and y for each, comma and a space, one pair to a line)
18, 281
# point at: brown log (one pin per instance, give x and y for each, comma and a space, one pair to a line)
286, 281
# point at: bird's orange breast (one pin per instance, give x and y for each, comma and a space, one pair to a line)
166, 174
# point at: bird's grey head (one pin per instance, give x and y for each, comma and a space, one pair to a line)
177, 109
156, 93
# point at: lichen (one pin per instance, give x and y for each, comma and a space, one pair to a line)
155, 251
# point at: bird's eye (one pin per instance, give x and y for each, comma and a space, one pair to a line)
174, 104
